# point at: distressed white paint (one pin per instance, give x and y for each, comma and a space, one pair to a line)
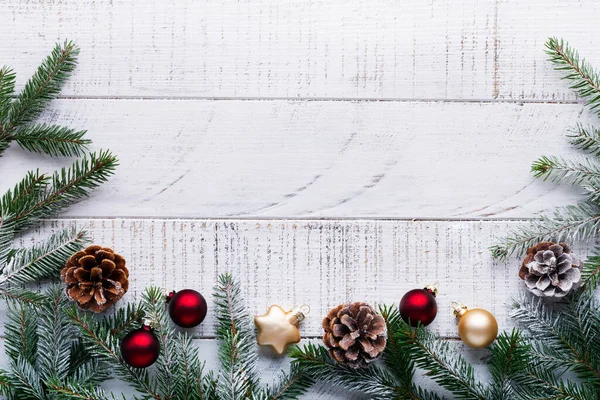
318, 262
465, 49
466, 156
206, 158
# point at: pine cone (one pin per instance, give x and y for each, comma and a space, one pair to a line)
96, 278
354, 334
551, 270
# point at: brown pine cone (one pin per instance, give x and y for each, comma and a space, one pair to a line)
96, 278
551, 270
354, 334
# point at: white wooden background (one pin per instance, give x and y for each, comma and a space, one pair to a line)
322, 151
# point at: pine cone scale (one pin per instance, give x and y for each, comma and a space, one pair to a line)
96, 278
551, 270
355, 334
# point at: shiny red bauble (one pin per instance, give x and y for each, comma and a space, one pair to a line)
418, 305
187, 308
140, 348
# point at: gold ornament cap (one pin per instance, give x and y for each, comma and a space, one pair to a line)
279, 328
476, 327
433, 288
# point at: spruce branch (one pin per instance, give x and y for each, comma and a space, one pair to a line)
25, 194
560, 335
7, 88
570, 223
53, 140
21, 333
7, 230
43, 86
590, 274
74, 390
509, 359
318, 364
102, 344
583, 171
289, 385
43, 261
586, 139
55, 337
67, 186
237, 351
396, 359
443, 365
585, 80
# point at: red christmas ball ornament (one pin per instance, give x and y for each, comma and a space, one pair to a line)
187, 308
419, 305
140, 348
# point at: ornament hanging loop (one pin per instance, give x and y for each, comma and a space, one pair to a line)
297, 314
459, 309
433, 288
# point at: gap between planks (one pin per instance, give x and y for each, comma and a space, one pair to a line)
326, 99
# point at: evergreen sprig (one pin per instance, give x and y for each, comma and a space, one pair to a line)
18, 115
575, 222
179, 373
411, 348
585, 80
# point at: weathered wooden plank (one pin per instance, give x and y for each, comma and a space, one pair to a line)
334, 159
396, 49
464, 49
320, 263
523, 27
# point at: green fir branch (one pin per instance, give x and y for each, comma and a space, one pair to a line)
153, 305
585, 80
237, 350
74, 390
288, 386
102, 344
53, 140
22, 295
560, 336
44, 261
442, 363
25, 380
583, 171
25, 195
55, 336
586, 139
396, 359
21, 332
509, 359
375, 382
571, 224
7, 231
43, 86
7, 89
67, 187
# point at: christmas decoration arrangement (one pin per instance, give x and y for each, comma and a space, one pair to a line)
557, 354
68, 341
141, 335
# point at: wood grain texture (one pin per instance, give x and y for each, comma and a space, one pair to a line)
315, 262
523, 71
464, 49
249, 159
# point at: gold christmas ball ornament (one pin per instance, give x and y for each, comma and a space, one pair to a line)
476, 327
279, 328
